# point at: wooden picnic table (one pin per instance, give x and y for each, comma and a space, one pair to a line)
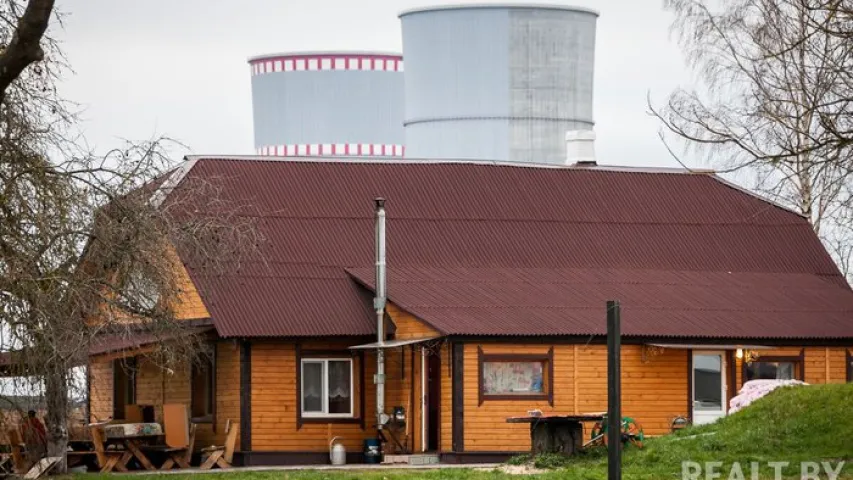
133, 444
551, 433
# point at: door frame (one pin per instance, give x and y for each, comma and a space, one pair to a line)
424, 400
430, 394
724, 380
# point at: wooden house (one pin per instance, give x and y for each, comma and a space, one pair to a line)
497, 282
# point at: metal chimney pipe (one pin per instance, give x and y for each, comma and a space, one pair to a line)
580, 148
379, 305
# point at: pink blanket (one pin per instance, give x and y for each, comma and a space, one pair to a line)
755, 389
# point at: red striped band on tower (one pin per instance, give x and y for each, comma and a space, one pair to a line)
331, 61
333, 150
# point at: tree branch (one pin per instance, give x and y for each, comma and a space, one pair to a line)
25, 47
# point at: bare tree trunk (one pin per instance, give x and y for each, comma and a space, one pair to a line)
56, 419
25, 47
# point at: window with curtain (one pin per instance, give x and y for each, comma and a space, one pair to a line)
783, 370
327, 387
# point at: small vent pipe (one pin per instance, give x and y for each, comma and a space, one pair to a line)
580, 148
379, 305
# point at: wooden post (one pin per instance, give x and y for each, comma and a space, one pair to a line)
575, 379
614, 410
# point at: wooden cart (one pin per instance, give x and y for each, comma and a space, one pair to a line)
556, 433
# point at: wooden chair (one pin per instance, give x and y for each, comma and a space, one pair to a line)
133, 414
222, 456
108, 460
16, 442
179, 436
179, 455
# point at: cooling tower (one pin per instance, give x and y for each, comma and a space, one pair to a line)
328, 104
497, 82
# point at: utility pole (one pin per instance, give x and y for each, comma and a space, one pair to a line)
614, 393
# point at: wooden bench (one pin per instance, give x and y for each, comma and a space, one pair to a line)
108, 460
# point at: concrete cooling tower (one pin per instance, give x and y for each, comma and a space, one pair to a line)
328, 104
497, 82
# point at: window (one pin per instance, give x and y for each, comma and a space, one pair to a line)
327, 388
708, 382
770, 371
124, 386
513, 378
774, 368
202, 384
849, 367
140, 291
516, 376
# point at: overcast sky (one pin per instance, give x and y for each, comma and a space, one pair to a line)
178, 67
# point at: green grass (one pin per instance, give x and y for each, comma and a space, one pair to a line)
442, 474
812, 423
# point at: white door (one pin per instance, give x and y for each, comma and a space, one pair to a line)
709, 386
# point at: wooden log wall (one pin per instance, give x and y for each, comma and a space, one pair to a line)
653, 391
156, 386
100, 389
408, 326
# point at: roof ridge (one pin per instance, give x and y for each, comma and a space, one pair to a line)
524, 220
175, 178
453, 161
757, 195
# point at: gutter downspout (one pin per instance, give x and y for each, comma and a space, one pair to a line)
379, 305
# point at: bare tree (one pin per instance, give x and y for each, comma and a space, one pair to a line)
774, 102
90, 245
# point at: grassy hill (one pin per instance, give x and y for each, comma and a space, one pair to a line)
813, 423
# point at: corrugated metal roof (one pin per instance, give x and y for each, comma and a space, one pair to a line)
637, 235
109, 343
571, 301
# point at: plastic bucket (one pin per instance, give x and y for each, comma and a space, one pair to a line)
372, 451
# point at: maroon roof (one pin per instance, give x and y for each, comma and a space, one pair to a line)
110, 343
570, 301
472, 247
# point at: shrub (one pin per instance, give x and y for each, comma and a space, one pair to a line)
522, 459
551, 460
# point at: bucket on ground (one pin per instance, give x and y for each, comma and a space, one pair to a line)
372, 451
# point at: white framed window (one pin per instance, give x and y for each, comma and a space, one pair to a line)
327, 387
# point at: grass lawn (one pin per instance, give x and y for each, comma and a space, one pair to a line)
794, 425
812, 423
450, 474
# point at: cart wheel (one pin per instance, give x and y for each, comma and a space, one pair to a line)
598, 435
632, 432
